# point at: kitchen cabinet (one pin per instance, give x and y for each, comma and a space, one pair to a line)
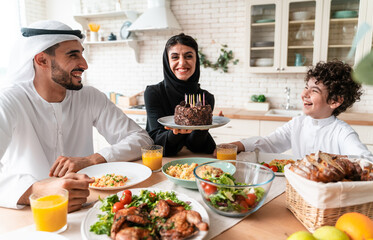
131, 42
235, 130
286, 36
268, 127
278, 31
368, 40
238, 129
342, 20
365, 135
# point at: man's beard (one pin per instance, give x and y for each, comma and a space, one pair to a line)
63, 78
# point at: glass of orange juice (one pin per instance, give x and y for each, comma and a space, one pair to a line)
226, 152
49, 209
152, 157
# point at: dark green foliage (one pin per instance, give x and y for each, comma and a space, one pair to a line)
224, 59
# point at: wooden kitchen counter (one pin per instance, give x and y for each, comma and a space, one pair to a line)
272, 221
237, 113
234, 113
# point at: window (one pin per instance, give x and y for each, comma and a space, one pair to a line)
10, 27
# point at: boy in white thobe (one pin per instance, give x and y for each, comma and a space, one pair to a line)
329, 91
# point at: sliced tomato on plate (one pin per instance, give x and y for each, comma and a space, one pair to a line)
274, 168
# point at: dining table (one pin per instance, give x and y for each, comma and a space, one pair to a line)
272, 221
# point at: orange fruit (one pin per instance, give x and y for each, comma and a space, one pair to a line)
356, 225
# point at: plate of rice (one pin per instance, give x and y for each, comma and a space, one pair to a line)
116, 175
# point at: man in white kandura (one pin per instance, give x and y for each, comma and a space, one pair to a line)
46, 119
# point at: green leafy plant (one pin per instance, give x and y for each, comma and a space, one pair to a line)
256, 98
225, 57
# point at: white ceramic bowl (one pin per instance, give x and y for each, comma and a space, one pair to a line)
264, 62
303, 15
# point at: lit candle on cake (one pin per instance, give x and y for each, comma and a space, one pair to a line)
203, 99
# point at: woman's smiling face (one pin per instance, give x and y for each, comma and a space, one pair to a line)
314, 97
182, 60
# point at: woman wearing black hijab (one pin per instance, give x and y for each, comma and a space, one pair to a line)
181, 75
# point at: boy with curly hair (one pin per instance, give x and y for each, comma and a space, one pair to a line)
329, 91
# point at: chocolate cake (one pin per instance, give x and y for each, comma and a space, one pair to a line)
185, 114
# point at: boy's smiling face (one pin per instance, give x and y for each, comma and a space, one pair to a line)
314, 97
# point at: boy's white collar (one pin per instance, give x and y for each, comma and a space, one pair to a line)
322, 122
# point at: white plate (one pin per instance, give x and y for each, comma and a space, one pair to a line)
32, 235
124, 33
91, 216
268, 157
217, 121
135, 173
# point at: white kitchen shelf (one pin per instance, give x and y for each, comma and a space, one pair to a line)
344, 20
263, 24
84, 19
300, 47
311, 21
340, 46
132, 43
262, 48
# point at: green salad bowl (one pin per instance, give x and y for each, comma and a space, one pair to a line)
234, 195
192, 183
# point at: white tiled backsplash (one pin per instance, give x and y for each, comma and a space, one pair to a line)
211, 22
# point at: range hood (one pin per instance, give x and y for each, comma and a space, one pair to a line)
158, 16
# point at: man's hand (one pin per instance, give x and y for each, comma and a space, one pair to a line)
76, 184
179, 131
64, 165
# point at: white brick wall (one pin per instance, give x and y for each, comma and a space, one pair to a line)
211, 22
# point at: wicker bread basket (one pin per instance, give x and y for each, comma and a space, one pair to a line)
313, 218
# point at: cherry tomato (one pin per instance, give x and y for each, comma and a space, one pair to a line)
203, 184
127, 192
209, 189
117, 206
274, 168
241, 200
250, 200
266, 165
126, 197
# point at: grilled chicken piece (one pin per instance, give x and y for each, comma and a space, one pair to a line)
182, 225
133, 233
162, 209
124, 217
